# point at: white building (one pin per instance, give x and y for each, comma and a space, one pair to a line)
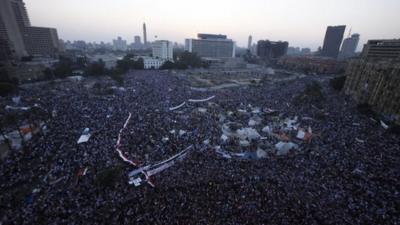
152, 63
110, 60
163, 50
211, 46
120, 45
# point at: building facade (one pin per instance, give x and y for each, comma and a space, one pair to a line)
163, 50
19, 37
375, 77
375, 82
144, 35
137, 43
10, 31
211, 45
310, 64
271, 50
333, 40
120, 45
349, 47
382, 49
152, 63
250, 42
42, 41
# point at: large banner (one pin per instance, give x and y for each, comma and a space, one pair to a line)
202, 100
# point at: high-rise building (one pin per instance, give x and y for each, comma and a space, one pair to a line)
144, 34
211, 45
120, 44
10, 32
349, 46
20, 13
271, 49
19, 37
333, 40
249, 43
163, 50
292, 51
382, 49
137, 40
41, 41
137, 43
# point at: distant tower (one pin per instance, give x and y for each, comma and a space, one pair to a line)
144, 34
333, 40
250, 42
349, 46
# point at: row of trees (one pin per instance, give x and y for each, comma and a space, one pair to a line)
66, 66
8, 84
184, 60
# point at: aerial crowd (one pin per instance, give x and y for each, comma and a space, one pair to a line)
346, 171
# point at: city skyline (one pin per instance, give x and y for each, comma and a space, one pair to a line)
273, 20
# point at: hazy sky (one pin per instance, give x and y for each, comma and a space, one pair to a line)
301, 22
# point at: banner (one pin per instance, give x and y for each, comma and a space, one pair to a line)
202, 100
120, 154
85, 136
177, 107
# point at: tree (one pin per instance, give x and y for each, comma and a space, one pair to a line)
168, 65
139, 64
82, 62
48, 74
125, 64
250, 58
96, 68
188, 59
63, 68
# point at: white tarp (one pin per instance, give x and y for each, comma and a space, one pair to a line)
301, 134
202, 100
270, 71
244, 143
224, 138
17, 108
384, 125
261, 154
182, 132
248, 133
202, 110
137, 182
283, 148
291, 124
16, 99
177, 107
85, 136
254, 121
267, 130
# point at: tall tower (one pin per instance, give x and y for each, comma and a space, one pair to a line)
333, 40
144, 34
349, 46
250, 42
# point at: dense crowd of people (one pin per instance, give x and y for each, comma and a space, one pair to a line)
347, 174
